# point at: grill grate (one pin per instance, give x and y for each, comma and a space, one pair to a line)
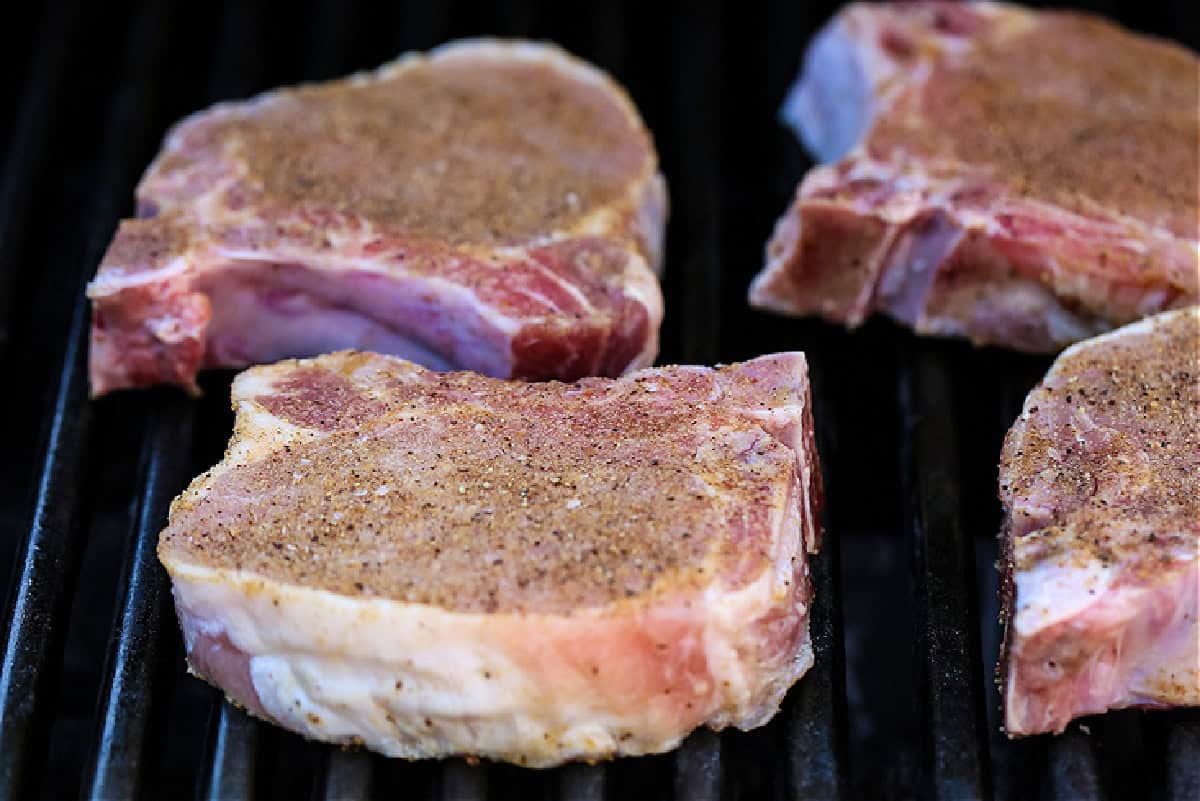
954, 739
900, 702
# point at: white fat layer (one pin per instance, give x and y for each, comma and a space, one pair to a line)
418, 681
642, 286
651, 219
1020, 299
453, 301
1142, 644
1139, 328
830, 107
245, 329
531, 52
1049, 593
454, 295
110, 283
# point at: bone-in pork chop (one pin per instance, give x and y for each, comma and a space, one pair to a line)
1100, 480
1019, 178
435, 564
493, 206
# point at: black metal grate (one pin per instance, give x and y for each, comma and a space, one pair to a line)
93, 698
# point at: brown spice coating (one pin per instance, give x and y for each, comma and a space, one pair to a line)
481, 495
1106, 464
150, 244
1074, 111
482, 150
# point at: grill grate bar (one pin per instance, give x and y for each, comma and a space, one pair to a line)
50, 553
694, 79
947, 642
579, 782
118, 767
463, 782
698, 767
1071, 773
234, 754
813, 731
348, 775
1183, 759
48, 567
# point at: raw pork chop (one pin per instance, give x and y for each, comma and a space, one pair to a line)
436, 564
494, 206
1100, 479
1019, 178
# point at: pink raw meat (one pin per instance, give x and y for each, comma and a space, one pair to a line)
1019, 178
494, 206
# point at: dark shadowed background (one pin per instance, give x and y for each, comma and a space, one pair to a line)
909, 432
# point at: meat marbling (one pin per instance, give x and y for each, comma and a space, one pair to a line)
493, 206
1020, 178
434, 564
1100, 481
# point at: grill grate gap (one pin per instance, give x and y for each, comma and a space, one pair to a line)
581, 783
117, 766
954, 763
234, 755
463, 782
813, 733
348, 775
1182, 762
1071, 773
50, 553
48, 565
698, 767
693, 79
33, 135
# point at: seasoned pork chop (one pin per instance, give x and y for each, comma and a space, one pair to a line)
1019, 178
494, 206
1100, 480
435, 564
